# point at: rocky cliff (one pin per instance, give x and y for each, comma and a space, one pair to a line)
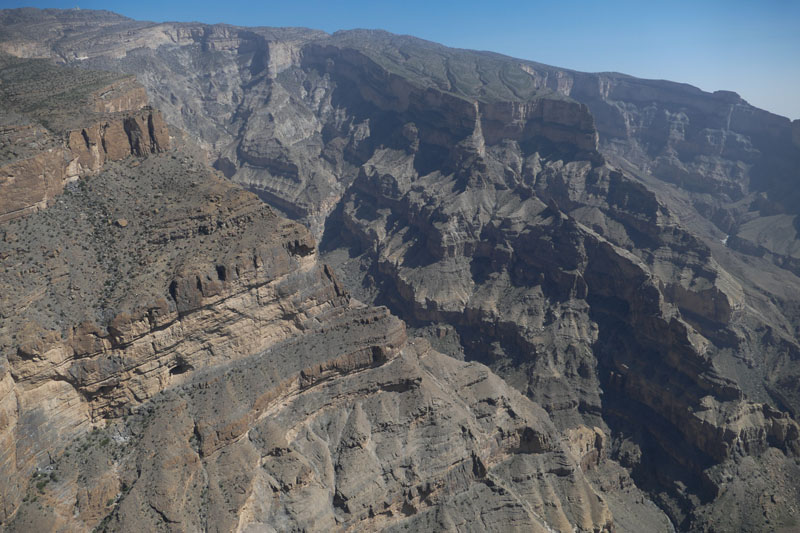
223, 362
58, 127
606, 245
267, 346
164, 332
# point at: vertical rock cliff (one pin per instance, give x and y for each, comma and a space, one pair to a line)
59, 126
165, 332
620, 253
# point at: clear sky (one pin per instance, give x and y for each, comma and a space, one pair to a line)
748, 46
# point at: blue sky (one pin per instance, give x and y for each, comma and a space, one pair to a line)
751, 47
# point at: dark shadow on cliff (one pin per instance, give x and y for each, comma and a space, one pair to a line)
663, 464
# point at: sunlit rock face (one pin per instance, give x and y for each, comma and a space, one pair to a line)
619, 253
60, 124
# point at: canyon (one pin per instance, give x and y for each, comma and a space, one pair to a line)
275, 279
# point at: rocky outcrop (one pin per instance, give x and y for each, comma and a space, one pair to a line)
548, 267
140, 133
41, 160
565, 229
562, 310
92, 369
227, 302
31, 184
298, 132
184, 314
384, 439
225, 364
123, 95
728, 162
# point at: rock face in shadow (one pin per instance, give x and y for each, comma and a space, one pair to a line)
562, 228
729, 163
574, 284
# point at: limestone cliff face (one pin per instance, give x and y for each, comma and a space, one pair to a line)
730, 166
67, 370
619, 251
111, 123
548, 295
710, 143
291, 119
31, 184
346, 444
139, 133
122, 95
449, 113
90, 369
568, 291
223, 364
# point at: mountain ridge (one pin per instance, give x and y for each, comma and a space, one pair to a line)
565, 229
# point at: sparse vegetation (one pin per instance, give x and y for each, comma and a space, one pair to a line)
56, 96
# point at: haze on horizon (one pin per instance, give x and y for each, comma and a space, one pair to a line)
751, 48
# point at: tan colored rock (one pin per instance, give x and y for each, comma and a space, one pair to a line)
488, 207
29, 185
278, 361
116, 143
31, 182
587, 444
124, 95
333, 455
92, 371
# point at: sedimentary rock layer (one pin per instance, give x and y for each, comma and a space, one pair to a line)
58, 126
620, 251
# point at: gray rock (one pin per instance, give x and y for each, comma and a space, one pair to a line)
563, 228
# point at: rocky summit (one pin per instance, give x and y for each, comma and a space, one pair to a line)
272, 279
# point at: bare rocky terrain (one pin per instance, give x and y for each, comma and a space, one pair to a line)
513, 297
59, 124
